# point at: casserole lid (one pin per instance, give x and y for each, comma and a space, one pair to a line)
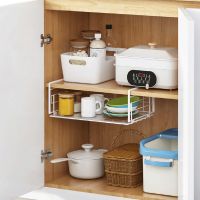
86, 153
150, 51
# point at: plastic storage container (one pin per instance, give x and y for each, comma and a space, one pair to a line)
160, 163
91, 70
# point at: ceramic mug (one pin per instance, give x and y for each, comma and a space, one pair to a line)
102, 100
89, 106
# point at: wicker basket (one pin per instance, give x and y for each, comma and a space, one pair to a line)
124, 159
123, 166
124, 180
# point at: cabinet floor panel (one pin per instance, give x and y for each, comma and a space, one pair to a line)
99, 186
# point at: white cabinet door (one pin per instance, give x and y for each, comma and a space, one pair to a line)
21, 97
189, 104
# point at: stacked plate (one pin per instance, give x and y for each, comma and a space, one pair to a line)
118, 107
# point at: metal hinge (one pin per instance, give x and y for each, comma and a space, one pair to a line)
45, 155
45, 39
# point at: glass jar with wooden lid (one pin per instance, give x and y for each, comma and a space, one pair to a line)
79, 47
66, 104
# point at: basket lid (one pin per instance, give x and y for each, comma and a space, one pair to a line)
128, 151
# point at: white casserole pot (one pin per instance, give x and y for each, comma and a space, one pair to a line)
86, 163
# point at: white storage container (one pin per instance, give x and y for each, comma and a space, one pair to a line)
91, 70
160, 163
148, 66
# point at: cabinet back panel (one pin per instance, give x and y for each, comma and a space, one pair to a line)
166, 116
61, 136
131, 30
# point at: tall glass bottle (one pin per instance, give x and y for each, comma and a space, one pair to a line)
110, 41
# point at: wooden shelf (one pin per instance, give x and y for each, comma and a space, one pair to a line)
99, 186
162, 8
111, 87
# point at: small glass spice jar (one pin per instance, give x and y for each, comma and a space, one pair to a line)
77, 101
66, 104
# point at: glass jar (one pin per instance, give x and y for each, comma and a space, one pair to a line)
77, 101
79, 47
66, 104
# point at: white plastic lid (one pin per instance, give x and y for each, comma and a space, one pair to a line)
97, 36
150, 51
86, 153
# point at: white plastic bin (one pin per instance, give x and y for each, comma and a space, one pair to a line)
160, 163
92, 70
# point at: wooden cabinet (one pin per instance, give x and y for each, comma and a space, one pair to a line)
134, 22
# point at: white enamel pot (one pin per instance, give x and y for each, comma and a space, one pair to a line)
86, 163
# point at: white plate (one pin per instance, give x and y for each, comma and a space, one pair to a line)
105, 112
118, 110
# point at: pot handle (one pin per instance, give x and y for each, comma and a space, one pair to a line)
59, 160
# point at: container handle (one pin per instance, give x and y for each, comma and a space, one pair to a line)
158, 163
77, 62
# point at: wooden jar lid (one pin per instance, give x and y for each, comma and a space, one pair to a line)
79, 43
66, 95
89, 34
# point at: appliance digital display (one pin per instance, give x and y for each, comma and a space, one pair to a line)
141, 78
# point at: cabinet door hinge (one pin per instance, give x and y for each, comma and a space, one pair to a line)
45, 39
46, 154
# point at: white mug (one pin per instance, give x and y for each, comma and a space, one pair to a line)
89, 106
101, 99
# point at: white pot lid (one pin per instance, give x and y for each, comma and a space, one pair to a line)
151, 51
86, 153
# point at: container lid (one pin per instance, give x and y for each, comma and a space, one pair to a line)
108, 26
97, 36
150, 51
89, 34
127, 152
87, 153
66, 95
169, 134
79, 43
77, 93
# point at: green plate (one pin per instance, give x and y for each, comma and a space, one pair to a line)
110, 114
123, 101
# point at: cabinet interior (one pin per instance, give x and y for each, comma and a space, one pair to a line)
62, 136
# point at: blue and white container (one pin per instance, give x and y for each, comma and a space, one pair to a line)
160, 163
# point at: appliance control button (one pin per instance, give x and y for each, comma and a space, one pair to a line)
147, 86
